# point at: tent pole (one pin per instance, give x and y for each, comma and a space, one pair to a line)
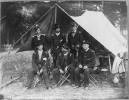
0, 27
109, 62
55, 13
126, 93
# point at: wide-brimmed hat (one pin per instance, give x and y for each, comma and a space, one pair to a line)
39, 43
74, 24
65, 46
56, 26
86, 42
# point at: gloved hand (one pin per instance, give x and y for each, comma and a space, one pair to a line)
80, 66
38, 73
41, 70
44, 58
77, 45
95, 68
66, 68
61, 71
85, 67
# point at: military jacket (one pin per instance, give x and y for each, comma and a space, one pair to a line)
42, 38
58, 40
77, 39
62, 62
87, 58
44, 61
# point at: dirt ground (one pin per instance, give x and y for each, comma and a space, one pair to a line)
16, 90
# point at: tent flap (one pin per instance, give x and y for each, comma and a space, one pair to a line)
96, 24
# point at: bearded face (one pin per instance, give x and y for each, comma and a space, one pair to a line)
64, 51
57, 30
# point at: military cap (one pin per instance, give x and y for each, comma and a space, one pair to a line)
56, 26
74, 24
39, 43
65, 46
86, 42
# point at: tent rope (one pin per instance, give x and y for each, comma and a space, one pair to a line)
2, 17
32, 26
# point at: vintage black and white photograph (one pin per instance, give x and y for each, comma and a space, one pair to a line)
63, 50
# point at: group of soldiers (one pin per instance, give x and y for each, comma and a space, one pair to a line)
71, 55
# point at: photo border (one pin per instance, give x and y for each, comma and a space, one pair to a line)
127, 81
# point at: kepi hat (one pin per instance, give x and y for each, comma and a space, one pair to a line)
39, 43
86, 42
74, 24
56, 26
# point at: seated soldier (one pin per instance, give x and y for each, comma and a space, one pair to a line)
40, 65
86, 62
65, 63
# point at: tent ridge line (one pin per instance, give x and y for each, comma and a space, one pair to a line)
63, 10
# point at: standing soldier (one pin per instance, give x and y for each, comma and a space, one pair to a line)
75, 39
86, 63
57, 40
39, 37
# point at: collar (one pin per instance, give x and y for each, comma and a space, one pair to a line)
66, 54
74, 32
58, 33
40, 50
87, 50
38, 34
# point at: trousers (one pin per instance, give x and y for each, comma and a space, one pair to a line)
32, 73
55, 52
56, 74
85, 72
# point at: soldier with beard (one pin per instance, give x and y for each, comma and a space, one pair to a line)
75, 39
57, 40
65, 62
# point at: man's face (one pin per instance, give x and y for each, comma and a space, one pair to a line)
57, 30
38, 31
64, 50
40, 47
74, 28
85, 46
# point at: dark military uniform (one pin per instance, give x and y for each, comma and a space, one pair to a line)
61, 63
37, 65
57, 41
86, 58
73, 41
43, 39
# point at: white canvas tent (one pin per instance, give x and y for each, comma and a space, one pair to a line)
95, 23
99, 27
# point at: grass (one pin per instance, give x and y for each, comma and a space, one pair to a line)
23, 63
20, 61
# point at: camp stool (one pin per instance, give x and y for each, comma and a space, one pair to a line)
92, 80
63, 79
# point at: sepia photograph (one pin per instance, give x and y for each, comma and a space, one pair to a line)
63, 50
